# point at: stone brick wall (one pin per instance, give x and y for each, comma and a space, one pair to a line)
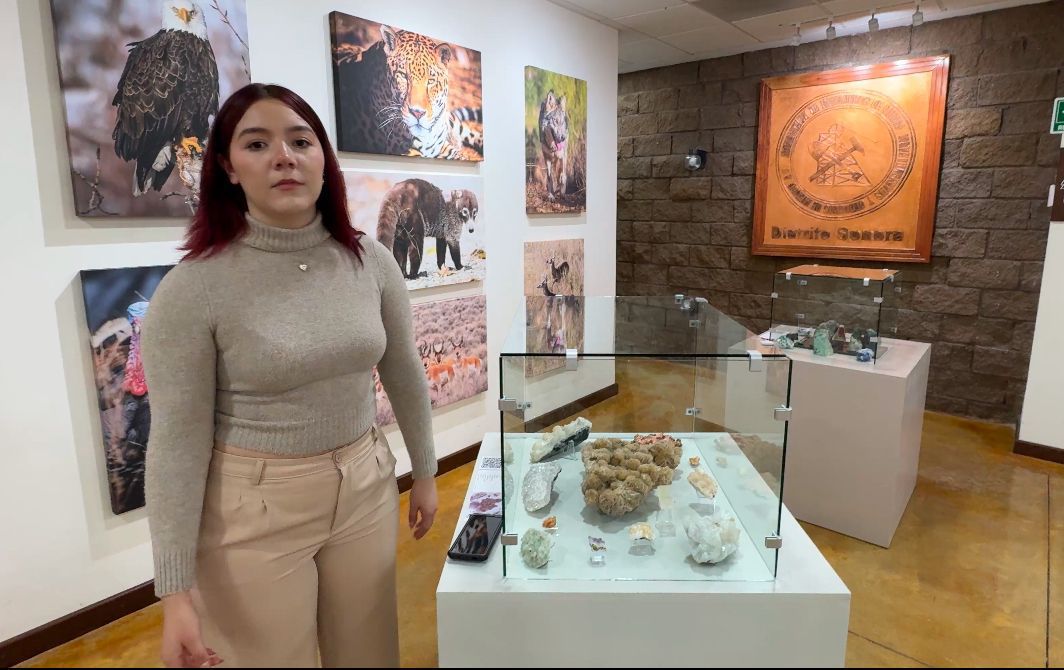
975, 301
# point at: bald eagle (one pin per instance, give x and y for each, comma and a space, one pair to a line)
166, 95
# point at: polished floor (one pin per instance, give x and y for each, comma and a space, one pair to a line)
973, 577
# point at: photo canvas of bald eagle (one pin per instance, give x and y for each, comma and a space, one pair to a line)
141, 82
116, 302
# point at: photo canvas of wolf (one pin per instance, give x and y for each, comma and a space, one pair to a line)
401, 93
116, 302
452, 338
141, 82
555, 142
432, 223
554, 306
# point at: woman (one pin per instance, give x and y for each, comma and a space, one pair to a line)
268, 487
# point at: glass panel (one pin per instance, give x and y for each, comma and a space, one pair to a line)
741, 444
851, 309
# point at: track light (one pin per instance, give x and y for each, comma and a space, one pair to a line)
796, 39
918, 16
873, 23
831, 32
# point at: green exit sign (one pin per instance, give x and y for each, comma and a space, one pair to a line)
1058, 116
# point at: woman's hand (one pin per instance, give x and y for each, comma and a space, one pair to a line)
182, 637
422, 502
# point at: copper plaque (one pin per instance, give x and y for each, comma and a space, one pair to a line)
848, 161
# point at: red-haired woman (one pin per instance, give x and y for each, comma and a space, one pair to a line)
269, 488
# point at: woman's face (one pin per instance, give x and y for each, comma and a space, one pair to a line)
278, 161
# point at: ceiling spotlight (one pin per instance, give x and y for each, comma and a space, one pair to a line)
918, 16
831, 30
873, 23
796, 39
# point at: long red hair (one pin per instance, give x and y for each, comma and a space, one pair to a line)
220, 217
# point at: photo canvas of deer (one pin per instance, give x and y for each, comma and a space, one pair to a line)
116, 302
554, 308
141, 82
452, 338
401, 93
432, 223
555, 142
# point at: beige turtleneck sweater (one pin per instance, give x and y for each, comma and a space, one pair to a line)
248, 349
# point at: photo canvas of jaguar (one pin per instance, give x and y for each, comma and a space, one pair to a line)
452, 338
116, 302
555, 142
401, 93
141, 82
432, 223
554, 306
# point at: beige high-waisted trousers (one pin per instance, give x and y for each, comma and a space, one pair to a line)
298, 555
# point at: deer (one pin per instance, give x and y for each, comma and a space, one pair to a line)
543, 285
558, 271
465, 362
440, 372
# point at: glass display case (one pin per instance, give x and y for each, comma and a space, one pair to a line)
833, 310
643, 439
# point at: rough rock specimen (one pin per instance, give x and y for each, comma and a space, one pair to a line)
703, 483
561, 440
538, 485
618, 475
535, 548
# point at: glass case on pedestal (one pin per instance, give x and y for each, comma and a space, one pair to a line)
833, 310
643, 438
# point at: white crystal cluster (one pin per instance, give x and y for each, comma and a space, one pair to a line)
538, 485
713, 538
554, 439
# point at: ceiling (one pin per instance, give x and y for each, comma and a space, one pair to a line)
654, 33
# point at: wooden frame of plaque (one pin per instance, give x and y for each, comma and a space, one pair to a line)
848, 161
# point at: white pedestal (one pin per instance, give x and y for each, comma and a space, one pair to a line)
800, 619
853, 441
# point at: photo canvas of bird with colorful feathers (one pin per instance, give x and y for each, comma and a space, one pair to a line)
116, 302
402, 93
141, 83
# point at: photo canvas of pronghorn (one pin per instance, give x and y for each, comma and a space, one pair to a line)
402, 93
141, 82
432, 223
116, 302
555, 142
451, 336
554, 286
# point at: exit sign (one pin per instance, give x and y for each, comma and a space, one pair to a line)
1057, 126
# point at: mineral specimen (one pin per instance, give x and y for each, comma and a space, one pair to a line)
618, 475
694, 461
550, 522
822, 342
538, 485
703, 483
712, 538
535, 548
864, 355
784, 342
640, 531
561, 440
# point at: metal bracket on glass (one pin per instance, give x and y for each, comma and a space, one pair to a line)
773, 541
513, 406
678, 298
509, 539
782, 413
774, 294
799, 315
878, 299
803, 282
694, 323
571, 360
692, 411
865, 281
757, 361
788, 276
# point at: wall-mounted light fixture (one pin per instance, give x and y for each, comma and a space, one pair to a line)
873, 23
918, 16
695, 159
831, 32
796, 39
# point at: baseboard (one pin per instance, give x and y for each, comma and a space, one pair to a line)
569, 409
55, 633
1040, 451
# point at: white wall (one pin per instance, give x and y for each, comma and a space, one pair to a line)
62, 549
1042, 421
